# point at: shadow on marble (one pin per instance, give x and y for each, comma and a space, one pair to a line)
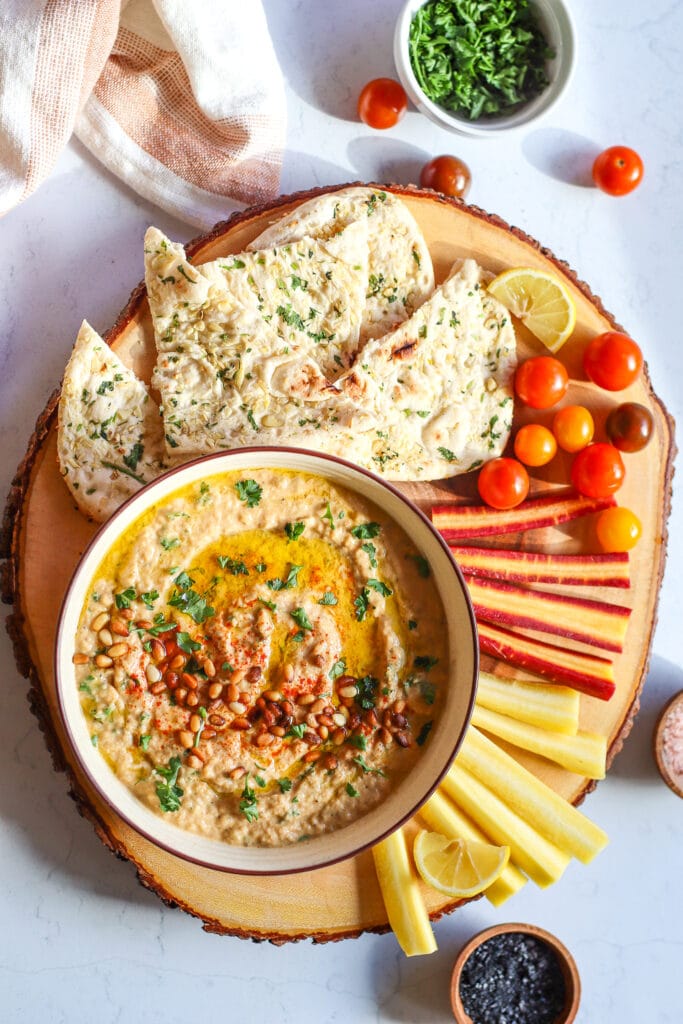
302, 171
566, 156
636, 761
386, 160
326, 56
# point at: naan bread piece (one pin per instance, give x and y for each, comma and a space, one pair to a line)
110, 437
434, 398
244, 340
400, 273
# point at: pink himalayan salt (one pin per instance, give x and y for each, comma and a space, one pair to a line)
672, 743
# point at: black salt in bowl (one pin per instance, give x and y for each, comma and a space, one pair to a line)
515, 974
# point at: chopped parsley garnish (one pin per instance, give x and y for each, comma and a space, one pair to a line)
84, 688
297, 731
260, 567
168, 791
366, 768
366, 531
361, 604
285, 785
351, 790
424, 661
338, 669
424, 733
328, 598
144, 741
359, 741
327, 514
249, 491
235, 265
149, 597
301, 618
134, 455
183, 581
428, 692
447, 454
371, 551
168, 543
234, 566
289, 582
422, 565
186, 643
294, 530
268, 604
380, 587
260, 781
248, 803
123, 599
366, 692
192, 604
412, 624
290, 317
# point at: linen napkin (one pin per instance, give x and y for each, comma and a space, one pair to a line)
182, 99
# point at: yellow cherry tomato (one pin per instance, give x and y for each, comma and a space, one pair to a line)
573, 427
534, 445
618, 529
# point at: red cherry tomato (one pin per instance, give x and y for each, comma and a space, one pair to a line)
573, 427
541, 382
382, 103
503, 483
618, 170
598, 471
446, 174
534, 445
618, 529
629, 427
612, 360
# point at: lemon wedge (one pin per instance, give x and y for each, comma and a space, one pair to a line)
540, 300
458, 867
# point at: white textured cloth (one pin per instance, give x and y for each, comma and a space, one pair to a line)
182, 99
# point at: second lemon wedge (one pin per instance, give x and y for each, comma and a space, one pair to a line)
540, 300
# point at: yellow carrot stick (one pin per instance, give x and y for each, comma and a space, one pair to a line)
538, 858
443, 816
585, 753
402, 897
546, 705
548, 812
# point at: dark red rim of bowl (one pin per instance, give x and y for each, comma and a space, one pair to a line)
205, 459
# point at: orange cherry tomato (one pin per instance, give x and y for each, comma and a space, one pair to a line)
618, 170
503, 483
612, 360
382, 103
535, 445
573, 427
541, 381
446, 174
598, 470
618, 529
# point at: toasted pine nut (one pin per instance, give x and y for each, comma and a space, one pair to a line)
153, 674
264, 739
399, 706
343, 711
185, 738
232, 691
317, 706
180, 694
287, 707
171, 680
209, 668
311, 755
105, 637
272, 695
403, 739
158, 650
385, 737
117, 650
386, 719
217, 720
238, 773
190, 681
348, 691
338, 736
236, 707
399, 720
177, 662
80, 659
243, 697
102, 661
254, 673
311, 721
119, 627
288, 672
312, 739
195, 722
239, 723
215, 690
194, 762
99, 621
331, 762
277, 730
323, 732
144, 623
157, 688
238, 675
127, 614
208, 734
305, 699
192, 700
338, 719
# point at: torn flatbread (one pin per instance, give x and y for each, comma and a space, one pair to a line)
400, 273
243, 340
110, 436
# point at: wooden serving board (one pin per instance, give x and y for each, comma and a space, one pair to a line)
44, 536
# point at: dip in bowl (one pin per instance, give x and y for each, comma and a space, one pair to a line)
266, 660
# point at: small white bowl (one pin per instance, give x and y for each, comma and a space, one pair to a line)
556, 23
403, 802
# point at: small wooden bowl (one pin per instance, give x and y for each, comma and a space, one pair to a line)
564, 958
658, 742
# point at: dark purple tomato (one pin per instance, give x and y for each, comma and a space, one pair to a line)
629, 427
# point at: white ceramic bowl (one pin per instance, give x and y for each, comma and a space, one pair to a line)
437, 754
555, 21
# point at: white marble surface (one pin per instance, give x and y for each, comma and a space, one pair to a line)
80, 939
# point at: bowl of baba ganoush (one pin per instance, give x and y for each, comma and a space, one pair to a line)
266, 660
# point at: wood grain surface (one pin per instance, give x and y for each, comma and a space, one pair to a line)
44, 535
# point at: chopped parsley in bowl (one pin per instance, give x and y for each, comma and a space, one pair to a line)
482, 66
